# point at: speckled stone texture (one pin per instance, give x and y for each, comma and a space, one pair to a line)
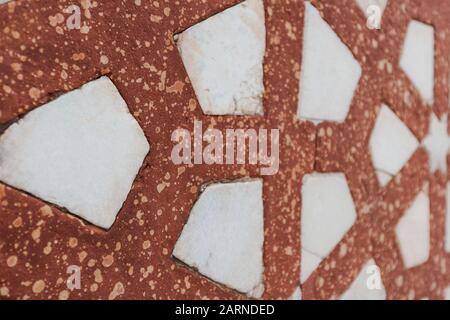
132, 42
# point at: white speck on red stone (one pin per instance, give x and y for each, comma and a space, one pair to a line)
327, 66
413, 232
328, 212
81, 151
223, 238
391, 144
223, 56
417, 58
368, 285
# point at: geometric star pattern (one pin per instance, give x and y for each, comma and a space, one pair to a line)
133, 259
437, 143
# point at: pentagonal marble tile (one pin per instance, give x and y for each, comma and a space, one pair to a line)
327, 66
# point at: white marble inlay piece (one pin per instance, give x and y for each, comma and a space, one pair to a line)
223, 238
391, 144
368, 285
328, 212
81, 151
328, 66
223, 56
417, 58
413, 232
447, 219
